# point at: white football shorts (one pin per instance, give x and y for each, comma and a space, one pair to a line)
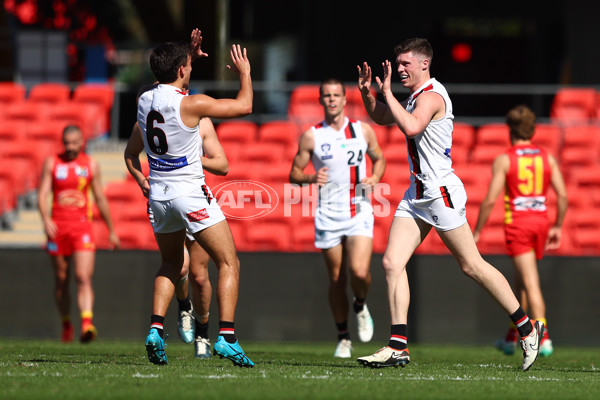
444, 213
329, 233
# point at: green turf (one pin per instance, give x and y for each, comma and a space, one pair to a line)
120, 370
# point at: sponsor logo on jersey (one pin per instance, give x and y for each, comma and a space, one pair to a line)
160, 164
62, 171
326, 148
197, 216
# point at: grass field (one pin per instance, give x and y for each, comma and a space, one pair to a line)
37, 369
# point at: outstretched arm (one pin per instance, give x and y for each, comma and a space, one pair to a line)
377, 110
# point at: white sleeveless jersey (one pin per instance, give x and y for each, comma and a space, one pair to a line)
172, 147
343, 152
429, 153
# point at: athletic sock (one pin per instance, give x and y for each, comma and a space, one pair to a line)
398, 340
227, 330
522, 321
86, 319
157, 322
201, 329
66, 320
342, 329
185, 304
358, 305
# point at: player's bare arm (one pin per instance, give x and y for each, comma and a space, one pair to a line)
43, 196
497, 183
562, 202
134, 148
428, 106
214, 159
102, 203
375, 154
194, 107
306, 145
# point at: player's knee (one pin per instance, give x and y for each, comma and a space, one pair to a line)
390, 266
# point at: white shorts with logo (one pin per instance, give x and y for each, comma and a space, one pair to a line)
329, 233
192, 212
444, 213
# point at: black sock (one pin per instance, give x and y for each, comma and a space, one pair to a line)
157, 322
398, 339
185, 304
343, 332
201, 329
358, 305
227, 330
521, 320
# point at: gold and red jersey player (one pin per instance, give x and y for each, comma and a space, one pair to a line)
525, 173
69, 177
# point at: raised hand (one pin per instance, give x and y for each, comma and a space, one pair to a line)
196, 42
239, 57
364, 77
386, 84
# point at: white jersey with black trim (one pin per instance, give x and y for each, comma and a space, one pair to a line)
429, 153
343, 152
172, 147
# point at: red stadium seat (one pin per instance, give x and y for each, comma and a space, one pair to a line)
303, 237
573, 105
98, 94
82, 114
486, 154
382, 132
263, 153
49, 132
308, 113
305, 94
126, 191
576, 157
240, 131
50, 92
463, 135
11, 92
26, 111
585, 135
283, 132
8, 196
548, 136
396, 153
495, 134
12, 130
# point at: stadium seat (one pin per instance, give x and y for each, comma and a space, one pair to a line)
82, 114
548, 136
382, 132
12, 131
396, 153
240, 131
12, 92
463, 135
49, 92
27, 112
269, 153
303, 237
493, 240
573, 105
283, 132
574, 157
8, 196
305, 94
486, 154
99, 94
123, 191
587, 240
136, 235
395, 135
49, 132
20, 173
493, 134
584, 135
306, 113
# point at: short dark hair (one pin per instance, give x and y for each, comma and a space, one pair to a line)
331, 81
70, 128
166, 58
417, 45
521, 122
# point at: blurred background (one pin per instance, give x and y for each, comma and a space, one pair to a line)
64, 61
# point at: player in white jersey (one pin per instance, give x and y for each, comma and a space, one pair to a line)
192, 320
338, 148
436, 198
179, 198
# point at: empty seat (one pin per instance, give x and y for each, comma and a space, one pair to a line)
396, 153
11, 92
573, 105
574, 157
101, 95
82, 114
239, 131
284, 132
486, 154
305, 94
309, 113
548, 136
12, 130
50, 92
124, 191
382, 132
263, 152
495, 134
463, 135
583, 135
25, 111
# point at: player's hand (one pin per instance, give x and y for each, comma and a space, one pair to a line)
113, 241
386, 84
364, 77
196, 42
476, 236
50, 228
239, 57
554, 237
322, 176
369, 183
145, 187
